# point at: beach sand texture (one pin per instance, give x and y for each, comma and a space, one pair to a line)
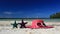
6, 28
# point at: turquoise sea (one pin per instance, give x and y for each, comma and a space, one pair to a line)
46, 20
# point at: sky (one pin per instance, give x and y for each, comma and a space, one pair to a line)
28, 8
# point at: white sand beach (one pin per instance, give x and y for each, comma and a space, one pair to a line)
6, 28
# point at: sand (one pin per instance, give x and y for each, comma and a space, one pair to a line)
9, 30
29, 31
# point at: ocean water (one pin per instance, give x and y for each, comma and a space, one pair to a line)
45, 20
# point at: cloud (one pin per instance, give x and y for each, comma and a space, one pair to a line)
7, 13
12, 12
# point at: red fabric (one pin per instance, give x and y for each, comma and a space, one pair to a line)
34, 24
